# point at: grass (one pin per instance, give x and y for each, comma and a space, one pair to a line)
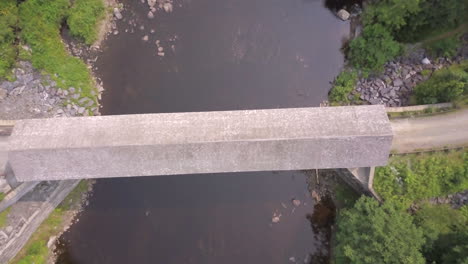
84, 18
445, 47
415, 177
431, 111
35, 250
8, 48
40, 24
3, 217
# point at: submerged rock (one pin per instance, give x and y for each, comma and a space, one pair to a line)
150, 15
152, 3
168, 7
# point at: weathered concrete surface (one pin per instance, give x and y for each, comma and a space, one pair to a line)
204, 142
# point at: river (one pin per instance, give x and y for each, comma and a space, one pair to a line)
218, 55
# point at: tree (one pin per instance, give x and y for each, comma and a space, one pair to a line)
373, 49
444, 86
370, 233
446, 233
391, 14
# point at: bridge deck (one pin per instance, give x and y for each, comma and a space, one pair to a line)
202, 142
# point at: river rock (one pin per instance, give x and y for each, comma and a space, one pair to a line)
296, 202
150, 15
3, 93
397, 82
145, 38
81, 110
117, 13
51, 241
426, 61
168, 7
152, 3
343, 14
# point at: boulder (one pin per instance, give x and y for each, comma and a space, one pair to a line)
117, 13
426, 61
167, 7
343, 14
397, 82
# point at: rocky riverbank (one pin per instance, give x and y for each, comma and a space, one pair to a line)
35, 95
395, 85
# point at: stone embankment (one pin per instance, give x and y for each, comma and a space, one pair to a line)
395, 85
35, 95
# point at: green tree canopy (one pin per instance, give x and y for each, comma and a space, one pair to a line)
373, 48
370, 233
391, 14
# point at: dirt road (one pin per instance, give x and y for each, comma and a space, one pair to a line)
433, 132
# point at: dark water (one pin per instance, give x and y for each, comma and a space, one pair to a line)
226, 54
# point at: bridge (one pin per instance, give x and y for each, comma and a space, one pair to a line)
199, 142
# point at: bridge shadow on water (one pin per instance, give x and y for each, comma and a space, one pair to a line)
215, 218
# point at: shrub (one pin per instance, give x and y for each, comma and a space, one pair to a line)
445, 229
84, 18
433, 17
446, 47
40, 23
342, 86
370, 51
444, 86
412, 178
8, 21
392, 14
369, 233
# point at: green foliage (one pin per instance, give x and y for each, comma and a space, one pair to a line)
40, 23
370, 51
84, 18
3, 217
392, 14
37, 254
342, 86
433, 17
8, 21
446, 47
446, 233
369, 233
412, 178
445, 85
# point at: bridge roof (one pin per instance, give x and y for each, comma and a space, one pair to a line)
201, 127
201, 142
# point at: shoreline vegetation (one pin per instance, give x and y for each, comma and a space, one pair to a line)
411, 31
38, 249
424, 214
31, 31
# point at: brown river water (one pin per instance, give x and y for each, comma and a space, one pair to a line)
218, 55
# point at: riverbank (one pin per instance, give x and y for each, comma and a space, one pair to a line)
49, 81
